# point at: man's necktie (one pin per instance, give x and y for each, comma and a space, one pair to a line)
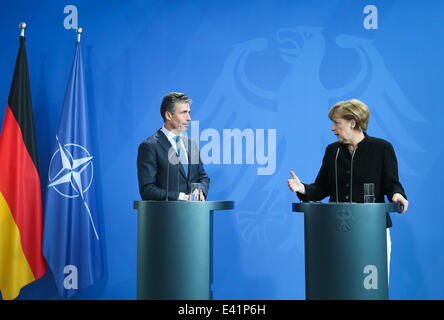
181, 153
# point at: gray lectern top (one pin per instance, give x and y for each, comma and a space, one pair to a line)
184, 205
381, 207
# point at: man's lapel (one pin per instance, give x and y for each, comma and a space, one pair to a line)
166, 145
163, 140
187, 150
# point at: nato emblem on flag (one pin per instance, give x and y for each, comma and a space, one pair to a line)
71, 237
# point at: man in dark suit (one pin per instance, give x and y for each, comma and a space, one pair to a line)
167, 163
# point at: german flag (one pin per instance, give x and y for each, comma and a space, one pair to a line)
21, 258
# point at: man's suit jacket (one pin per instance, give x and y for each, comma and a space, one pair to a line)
153, 169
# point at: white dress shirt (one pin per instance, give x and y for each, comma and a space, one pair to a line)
172, 139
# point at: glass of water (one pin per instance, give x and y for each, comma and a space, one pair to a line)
369, 192
196, 189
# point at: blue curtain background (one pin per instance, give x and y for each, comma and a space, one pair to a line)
247, 65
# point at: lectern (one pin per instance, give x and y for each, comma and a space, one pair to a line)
345, 250
174, 249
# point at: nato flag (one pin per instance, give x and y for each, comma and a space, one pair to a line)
71, 237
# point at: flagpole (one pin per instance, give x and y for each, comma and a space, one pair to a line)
22, 27
79, 33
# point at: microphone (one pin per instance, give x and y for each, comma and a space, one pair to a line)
168, 178
178, 163
178, 169
168, 173
171, 153
351, 176
336, 172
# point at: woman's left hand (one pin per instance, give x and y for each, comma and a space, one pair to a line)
397, 197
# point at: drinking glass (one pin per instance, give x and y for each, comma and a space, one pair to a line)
369, 192
196, 189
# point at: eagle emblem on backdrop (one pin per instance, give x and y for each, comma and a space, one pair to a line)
296, 105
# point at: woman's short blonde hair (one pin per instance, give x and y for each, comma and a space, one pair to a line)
352, 110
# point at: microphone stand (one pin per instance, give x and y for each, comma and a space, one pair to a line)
351, 176
336, 173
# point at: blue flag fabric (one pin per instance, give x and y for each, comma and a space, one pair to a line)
71, 237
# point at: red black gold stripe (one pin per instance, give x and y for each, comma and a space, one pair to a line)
21, 259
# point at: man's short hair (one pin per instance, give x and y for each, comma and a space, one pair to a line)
169, 102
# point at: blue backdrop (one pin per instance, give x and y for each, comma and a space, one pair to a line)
248, 65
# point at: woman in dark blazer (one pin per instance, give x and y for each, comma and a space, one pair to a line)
374, 161
355, 159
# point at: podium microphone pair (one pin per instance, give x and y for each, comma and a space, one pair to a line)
171, 152
351, 174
